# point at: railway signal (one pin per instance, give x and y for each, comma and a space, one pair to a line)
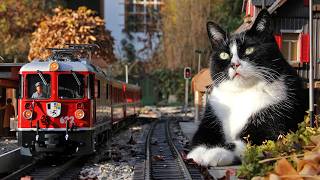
187, 76
187, 73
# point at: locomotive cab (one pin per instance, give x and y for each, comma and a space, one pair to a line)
67, 105
56, 107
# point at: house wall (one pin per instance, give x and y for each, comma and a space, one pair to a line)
294, 16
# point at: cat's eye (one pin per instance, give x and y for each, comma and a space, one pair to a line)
249, 50
224, 56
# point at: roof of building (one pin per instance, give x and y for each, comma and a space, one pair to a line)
276, 4
260, 2
201, 81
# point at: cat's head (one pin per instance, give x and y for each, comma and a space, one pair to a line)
246, 58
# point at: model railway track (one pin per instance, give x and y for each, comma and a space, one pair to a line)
46, 169
43, 168
163, 160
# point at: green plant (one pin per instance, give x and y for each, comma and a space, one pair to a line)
260, 160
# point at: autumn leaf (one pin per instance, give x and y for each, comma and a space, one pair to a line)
81, 26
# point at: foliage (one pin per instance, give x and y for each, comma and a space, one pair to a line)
227, 13
169, 82
256, 158
17, 22
184, 29
128, 49
76, 27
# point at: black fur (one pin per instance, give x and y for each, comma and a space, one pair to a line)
266, 54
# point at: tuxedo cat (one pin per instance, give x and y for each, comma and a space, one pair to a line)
256, 94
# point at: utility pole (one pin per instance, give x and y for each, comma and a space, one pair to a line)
311, 95
199, 52
263, 4
126, 69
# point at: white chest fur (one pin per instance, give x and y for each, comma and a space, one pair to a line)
234, 106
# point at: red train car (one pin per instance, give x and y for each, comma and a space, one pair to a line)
66, 104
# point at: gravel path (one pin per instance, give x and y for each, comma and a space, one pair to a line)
117, 161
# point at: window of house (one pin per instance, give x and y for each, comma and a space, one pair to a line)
290, 47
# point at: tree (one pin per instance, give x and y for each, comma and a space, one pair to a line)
76, 27
184, 28
17, 22
227, 13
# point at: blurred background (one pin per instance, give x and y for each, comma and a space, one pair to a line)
155, 39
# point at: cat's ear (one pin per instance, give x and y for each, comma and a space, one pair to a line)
262, 22
216, 33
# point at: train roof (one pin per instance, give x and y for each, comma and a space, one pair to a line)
80, 65
76, 66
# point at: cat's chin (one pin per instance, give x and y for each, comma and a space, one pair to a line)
243, 81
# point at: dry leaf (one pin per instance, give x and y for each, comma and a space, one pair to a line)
312, 156
309, 169
274, 177
311, 178
158, 158
258, 178
315, 139
284, 169
301, 163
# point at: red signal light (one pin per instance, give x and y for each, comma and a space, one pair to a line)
187, 73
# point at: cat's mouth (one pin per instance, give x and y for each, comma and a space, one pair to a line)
236, 75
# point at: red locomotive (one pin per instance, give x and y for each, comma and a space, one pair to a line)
66, 104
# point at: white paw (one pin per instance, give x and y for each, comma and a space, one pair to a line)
197, 153
211, 156
219, 157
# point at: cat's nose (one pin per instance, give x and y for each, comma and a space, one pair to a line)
235, 65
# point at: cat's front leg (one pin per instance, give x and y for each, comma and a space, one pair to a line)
217, 156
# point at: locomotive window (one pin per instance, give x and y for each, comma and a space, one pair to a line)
71, 86
38, 88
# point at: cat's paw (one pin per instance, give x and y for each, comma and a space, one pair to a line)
197, 155
218, 157
211, 156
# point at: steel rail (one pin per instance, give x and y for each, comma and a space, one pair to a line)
174, 150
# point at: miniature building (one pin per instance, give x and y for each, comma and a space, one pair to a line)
200, 84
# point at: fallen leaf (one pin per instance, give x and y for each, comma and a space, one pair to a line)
309, 169
273, 177
303, 162
285, 170
158, 158
258, 178
315, 139
312, 156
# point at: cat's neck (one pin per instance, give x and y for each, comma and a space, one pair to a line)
276, 89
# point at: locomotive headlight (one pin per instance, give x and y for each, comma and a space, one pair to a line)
27, 114
79, 114
53, 66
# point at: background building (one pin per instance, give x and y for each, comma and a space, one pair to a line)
134, 23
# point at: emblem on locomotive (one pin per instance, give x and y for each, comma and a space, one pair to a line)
53, 109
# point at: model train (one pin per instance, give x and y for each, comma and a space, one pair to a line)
66, 104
